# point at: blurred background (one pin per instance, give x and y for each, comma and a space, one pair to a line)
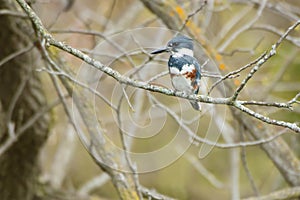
228, 35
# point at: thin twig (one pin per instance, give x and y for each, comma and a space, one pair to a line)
245, 164
162, 74
127, 98
51, 66
230, 23
280, 73
110, 13
17, 133
202, 5
12, 13
274, 30
295, 99
284, 194
213, 143
16, 97
264, 59
230, 74
16, 54
269, 104
151, 194
77, 82
125, 146
244, 27
243, 50
94, 183
98, 34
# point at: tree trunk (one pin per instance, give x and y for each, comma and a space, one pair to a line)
19, 83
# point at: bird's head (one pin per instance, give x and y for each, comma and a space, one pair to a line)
178, 45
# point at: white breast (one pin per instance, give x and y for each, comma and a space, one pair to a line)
180, 83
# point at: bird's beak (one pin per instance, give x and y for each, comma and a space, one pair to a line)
161, 50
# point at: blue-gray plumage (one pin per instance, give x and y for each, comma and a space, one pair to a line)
183, 66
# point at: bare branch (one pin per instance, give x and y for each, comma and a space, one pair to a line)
274, 7
94, 183
243, 28
15, 54
15, 134
245, 164
292, 126
117, 164
143, 85
230, 74
269, 104
164, 73
125, 145
110, 13
264, 59
295, 99
243, 50
284, 194
77, 82
202, 5
12, 13
98, 34
16, 97
274, 30
153, 195
213, 143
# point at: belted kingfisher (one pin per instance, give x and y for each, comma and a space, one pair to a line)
183, 66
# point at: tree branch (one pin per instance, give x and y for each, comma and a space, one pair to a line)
284, 194
143, 85
277, 150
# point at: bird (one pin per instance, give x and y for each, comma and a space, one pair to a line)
184, 68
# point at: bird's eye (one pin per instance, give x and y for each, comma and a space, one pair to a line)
175, 43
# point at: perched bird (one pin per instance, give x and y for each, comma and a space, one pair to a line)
183, 66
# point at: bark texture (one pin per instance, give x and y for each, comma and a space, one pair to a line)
19, 83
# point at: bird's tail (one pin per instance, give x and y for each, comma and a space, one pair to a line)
196, 105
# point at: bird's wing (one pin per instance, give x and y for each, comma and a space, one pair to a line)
196, 80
